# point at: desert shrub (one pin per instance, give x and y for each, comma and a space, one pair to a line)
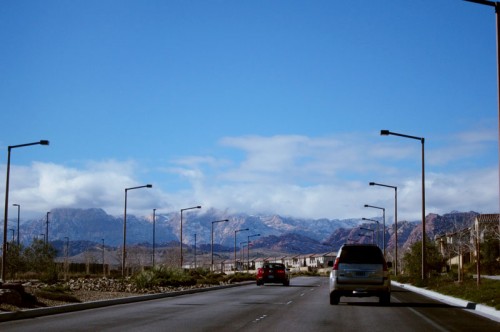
163, 276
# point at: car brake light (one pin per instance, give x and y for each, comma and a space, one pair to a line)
336, 264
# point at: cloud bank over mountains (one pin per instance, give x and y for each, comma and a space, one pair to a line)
290, 175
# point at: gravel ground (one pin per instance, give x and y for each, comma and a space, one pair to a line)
83, 290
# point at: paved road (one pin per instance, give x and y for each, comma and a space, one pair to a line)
303, 306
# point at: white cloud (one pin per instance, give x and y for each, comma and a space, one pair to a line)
325, 177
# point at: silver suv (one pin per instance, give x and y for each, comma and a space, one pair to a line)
359, 271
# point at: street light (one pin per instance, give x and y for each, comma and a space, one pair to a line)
212, 241
154, 226
395, 222
18, 218
124, 251
47, 229
195, 250
383, 220
368, 229
422, 141
6, 210
248, 250
496, 5
103, 266
66, 258
378, 230
242, 252
182, 210
239, 230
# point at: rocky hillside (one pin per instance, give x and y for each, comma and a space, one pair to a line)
85, 229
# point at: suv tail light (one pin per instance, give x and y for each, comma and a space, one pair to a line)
336, 264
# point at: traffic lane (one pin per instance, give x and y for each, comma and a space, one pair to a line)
222, 310
407, 312
304, 306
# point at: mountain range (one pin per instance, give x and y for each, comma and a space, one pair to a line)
88, 227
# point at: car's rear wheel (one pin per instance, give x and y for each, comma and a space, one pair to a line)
334, 298
259, 283
286, 283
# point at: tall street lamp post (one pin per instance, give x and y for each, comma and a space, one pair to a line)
248, 249
212, 241
47, 228
66, 252
496, 5
368, 229
242, 253
124, 250
422, 142
103, 266
378, 230
195, 250
154, 226
383, 223
6, 210
182, 210
395, 222
18, 218
236, 231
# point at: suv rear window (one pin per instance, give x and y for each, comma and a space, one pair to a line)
274, 266
361, 255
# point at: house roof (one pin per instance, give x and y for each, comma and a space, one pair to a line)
493, 217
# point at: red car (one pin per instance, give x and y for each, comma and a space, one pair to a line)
275, 273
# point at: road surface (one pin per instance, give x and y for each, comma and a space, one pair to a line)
304, 306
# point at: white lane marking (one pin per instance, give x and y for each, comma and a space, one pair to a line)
259, 319
435, 325
439, 327
289, 302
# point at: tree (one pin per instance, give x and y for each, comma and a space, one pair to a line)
15, 260
413, 259
39, 256
490, 253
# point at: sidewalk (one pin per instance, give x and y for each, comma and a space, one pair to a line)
479, 309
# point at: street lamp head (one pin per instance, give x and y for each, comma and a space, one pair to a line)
44, 142
198, 207
366, 205
384, 132
372, 183
149, 186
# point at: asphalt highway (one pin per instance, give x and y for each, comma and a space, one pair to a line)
304, 306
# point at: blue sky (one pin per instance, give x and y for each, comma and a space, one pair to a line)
249, 106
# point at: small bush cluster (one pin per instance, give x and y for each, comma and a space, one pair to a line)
163, 277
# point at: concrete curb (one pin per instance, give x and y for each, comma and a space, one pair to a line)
480, 309
31, 313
